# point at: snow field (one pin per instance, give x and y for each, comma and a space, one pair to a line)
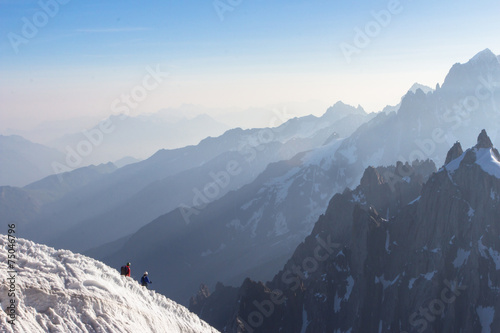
59, 291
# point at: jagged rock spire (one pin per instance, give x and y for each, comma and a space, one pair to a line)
371, 178
454, 152
483, 140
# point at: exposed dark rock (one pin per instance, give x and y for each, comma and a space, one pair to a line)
371, 178
455, 152
469, 158
200, 297
378, 262
483, 140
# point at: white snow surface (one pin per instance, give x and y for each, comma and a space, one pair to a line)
350, 285
305, 322
487, 161
486, 315
416, 200
454, 164
493, 195
386, 283
484, 158
462, 257
428, 276
336, 303
59, 291
484, 251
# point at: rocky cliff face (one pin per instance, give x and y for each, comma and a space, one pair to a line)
394, 255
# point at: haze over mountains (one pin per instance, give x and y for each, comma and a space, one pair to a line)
23, 162
121, 139
140, 136
250, 232
137, 193
240, 205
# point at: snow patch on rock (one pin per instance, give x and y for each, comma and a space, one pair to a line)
486, 315
487, 161
461, 258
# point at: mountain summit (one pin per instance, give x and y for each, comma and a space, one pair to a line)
483, 154
483, 140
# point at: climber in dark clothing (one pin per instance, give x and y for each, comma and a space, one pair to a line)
145, 280
125, 270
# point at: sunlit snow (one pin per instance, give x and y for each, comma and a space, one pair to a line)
487, 161
59, 291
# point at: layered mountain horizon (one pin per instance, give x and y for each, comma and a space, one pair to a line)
238, 205
252, 231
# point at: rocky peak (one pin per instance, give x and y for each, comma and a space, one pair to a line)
483, 140
484, 56
371, 178
464, 77
455, 152
411, 102
201, 296
483, 154
340, 109
416, 86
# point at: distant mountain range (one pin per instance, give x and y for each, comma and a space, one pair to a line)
237, 205
251, 232
390, 108
139, 136
22, 205
128, 198
23, 162
136, 138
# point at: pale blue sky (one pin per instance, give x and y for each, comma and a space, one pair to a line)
263, 52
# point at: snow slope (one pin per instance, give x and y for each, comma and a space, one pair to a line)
59, 291
485, 158
488, 162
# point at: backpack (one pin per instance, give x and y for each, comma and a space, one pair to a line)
124, 270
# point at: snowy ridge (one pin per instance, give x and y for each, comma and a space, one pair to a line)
487, 161
59, 291
276, 191
485, 158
